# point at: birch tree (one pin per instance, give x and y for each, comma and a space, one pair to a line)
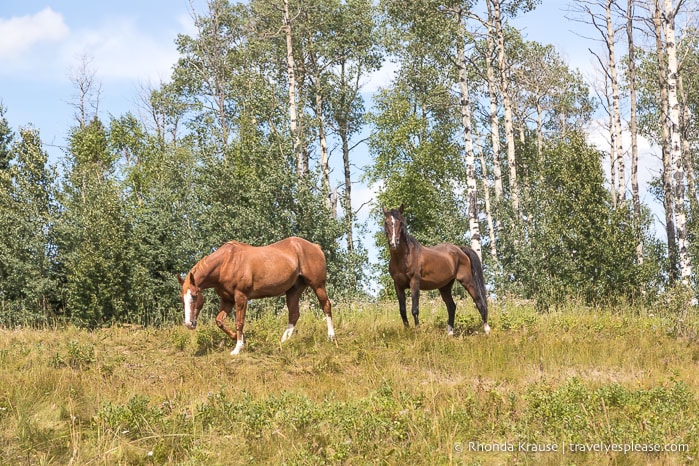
668, 12
459, 14
495, 13
633, 124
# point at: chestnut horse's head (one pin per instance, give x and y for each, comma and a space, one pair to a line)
393, 226
192, 298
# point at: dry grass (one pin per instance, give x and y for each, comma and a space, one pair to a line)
382, 395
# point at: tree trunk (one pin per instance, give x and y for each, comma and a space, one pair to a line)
668, 18
668, 197
301, 162
464, 104
685, 122
489, 215
616, 142
507, 106
324, 155
633, 129
494, 120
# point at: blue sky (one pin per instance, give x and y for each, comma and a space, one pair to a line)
131, 47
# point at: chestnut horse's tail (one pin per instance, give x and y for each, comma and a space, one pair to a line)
481, 299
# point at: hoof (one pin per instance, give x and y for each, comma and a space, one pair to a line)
450, 331
237, 349
486, 328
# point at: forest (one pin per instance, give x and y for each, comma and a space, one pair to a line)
264, 128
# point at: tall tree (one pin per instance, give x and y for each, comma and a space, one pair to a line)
92, 231
633, 124
667, 15
27, 215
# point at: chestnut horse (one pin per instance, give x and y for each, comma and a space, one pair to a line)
240, 272
419, 267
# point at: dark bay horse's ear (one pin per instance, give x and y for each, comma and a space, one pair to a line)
385, 212
400, 209
179, 279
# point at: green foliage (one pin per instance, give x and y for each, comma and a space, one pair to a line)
577, 243
27, 214
92, 233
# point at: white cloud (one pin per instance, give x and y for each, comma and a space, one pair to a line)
381, 78
120, 51
19, 34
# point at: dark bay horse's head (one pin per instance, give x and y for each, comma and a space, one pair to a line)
192, 298
393, 226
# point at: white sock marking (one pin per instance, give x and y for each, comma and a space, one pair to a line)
450, 330
331, 329
238, 346
486, 328
288, 332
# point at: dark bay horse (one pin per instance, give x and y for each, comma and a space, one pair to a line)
240, 272
419, 267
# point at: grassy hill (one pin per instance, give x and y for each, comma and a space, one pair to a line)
575, 379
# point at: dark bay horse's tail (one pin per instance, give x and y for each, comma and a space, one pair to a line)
481, 299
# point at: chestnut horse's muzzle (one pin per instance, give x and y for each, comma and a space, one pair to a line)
191, 325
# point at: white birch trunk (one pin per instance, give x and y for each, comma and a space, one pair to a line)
465, 102
301, 167
494, 123
668, 197
685, 265
633, 126
507, 107
616, 142
489, 214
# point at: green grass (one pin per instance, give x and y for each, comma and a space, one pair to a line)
383, 395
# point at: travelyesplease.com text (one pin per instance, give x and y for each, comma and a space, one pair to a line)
600, 447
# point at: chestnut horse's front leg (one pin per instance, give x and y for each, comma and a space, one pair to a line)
415, 295
225, 309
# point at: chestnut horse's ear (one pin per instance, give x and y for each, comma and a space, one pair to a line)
179, 279
191, 280
400, 209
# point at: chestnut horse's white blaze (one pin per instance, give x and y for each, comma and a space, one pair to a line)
187, 299
240, 272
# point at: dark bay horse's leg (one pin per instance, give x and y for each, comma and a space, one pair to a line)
415, 296
293, 295
400, 293
225, 309
241, 305
445, 291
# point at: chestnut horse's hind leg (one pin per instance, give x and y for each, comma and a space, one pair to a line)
293, 295
327, 309
445, 291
